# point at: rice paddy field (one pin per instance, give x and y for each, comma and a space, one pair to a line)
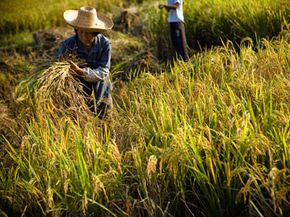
205, 138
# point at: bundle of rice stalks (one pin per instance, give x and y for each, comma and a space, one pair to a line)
53, 91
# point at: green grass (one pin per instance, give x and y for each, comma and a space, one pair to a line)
37, 15
209, 23
209, 137
15, 41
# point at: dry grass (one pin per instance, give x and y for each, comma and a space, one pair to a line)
53, 91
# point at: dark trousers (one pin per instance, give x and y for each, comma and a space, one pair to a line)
100, 108
178, 39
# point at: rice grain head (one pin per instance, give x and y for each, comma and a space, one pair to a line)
98, 186
151, 166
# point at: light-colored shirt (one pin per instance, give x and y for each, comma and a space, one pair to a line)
177, 14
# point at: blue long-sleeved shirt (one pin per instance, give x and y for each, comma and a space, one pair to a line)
98, 58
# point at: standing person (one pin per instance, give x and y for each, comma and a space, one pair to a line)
176, 25
90, 45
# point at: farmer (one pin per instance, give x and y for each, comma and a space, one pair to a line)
91, 46
176, 25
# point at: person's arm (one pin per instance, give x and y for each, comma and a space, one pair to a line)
65, 50
89, 74
103, 70
61, 51
93, 75
169, 7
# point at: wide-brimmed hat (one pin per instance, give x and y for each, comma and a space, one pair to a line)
88, 19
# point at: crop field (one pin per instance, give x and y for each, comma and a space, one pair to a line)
209, 137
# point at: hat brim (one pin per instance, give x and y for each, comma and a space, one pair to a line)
104, 22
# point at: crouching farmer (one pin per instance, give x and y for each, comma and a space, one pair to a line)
92, 47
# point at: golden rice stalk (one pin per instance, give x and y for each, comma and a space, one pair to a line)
151, 166
54, 90
50, 201
98, 187
116, 155
85, 202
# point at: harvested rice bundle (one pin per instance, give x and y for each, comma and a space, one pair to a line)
53, 91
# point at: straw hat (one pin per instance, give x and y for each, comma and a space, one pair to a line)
87, 18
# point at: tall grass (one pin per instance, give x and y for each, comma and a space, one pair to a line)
207, 138
60, 170
209, 23
213, 124
37, 15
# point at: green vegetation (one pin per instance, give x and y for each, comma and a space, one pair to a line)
32, 15
212, 22
209, 137
214, 133
15, 40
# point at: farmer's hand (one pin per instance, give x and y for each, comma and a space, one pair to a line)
160, 6
74, 68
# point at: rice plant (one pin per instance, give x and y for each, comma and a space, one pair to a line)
209, 23
37, 15
209, 137
214, 128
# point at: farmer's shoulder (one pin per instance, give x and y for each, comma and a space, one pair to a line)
69, 42
103, 39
